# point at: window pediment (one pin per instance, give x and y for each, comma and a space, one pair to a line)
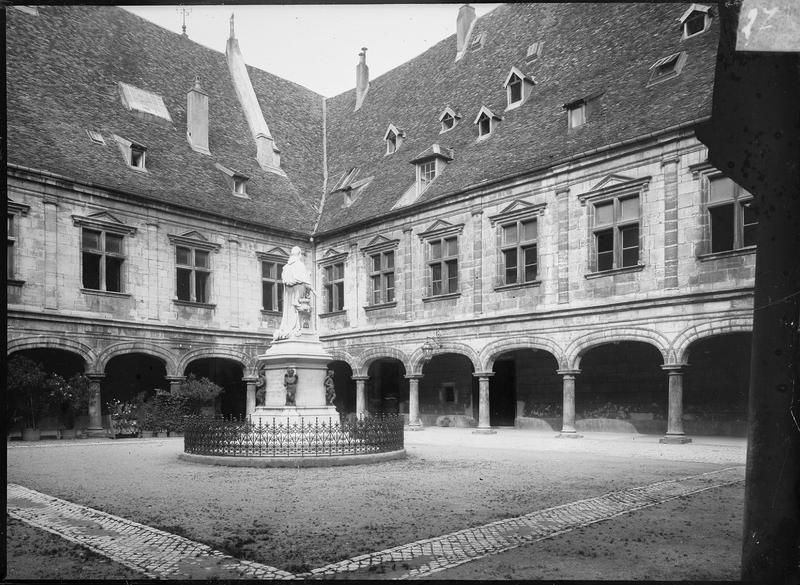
332, 256
441, 228
380, 244
484, 111
193, 239
517, 210
104, 221
275, 254
614, 185
448, 111
14, 207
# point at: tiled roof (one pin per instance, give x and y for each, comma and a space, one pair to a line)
63, 69
588, 48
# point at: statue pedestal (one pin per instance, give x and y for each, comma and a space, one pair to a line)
309, 360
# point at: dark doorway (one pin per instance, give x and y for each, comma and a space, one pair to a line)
228, 374
128, 375
345, 401
502, 394
387, 388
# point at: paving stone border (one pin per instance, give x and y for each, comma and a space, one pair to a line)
159, 554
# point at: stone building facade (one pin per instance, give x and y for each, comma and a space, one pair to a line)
535, 239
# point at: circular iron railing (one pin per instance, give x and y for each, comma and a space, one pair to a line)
289, 438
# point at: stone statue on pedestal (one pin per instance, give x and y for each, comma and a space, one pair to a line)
297, 293
261, 388
290, 382
330, 389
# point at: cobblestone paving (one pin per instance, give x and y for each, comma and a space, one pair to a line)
159, 554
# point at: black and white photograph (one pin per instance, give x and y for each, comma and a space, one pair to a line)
403, 291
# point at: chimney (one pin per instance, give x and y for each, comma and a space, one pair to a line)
362, 78
197, 118
464, 22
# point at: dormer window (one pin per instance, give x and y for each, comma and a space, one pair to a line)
430, 164
486, 122
477, 41
579, 111
518, 87
534, 51
696, 20
137, 156
393, 138
667, 68
133, 153
239, 185
449, 118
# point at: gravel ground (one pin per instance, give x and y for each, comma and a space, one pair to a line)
298, 519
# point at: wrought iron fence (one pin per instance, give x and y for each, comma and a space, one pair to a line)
284, 438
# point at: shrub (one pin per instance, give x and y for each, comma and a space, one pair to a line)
28, 392
165, 412
69, 397
198, 392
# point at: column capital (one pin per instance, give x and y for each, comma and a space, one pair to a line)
359, 378
483, 374
413, 376
95, 377
568, 372
174, 378
674, 368
249, 379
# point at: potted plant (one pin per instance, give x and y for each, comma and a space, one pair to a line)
69, 398
123, 418
28, 392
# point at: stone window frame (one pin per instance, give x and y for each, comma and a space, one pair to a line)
517, 213
332, 285
441, 233
194, 242
487, 122
615, 193
134, 153
276, 284
393, 137
705, 173
104, 223
380, 248
517, 82
14, 211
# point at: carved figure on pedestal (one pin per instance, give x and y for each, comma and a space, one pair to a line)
296, 297
290, 382
330, 389
261, 388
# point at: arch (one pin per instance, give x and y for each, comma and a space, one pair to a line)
491, 351
342, 356
579, 346
84, 351
416, 360
680, 346
376, 353
248, 363
144, 347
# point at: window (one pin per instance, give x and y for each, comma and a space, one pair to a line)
102, 258
443, 265
484, 125
393, 138
577, 115
239, 185
12, 240
519, 249
616, 233
391, 143
137, 156
334, 287
667, 68
193, 268
448, 122
534, 51
382, 277
514, 90
271, 285
696, 20
95, 137
731, 216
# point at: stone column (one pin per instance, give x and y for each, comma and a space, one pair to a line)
484, 427
361, 395
675, 405
250, 403
95, 427
174, 382
414, 424
568, 418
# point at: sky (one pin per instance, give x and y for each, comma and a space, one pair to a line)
317, 46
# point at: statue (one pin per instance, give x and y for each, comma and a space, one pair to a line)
330, 390
290, 382
261, 388
296, 297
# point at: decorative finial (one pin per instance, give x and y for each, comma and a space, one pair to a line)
184, 12
233, 36
197, 82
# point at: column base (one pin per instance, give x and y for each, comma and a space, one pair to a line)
415, 427
675, 440
484, 432
568, 435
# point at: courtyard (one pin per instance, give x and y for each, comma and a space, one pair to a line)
517, 504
